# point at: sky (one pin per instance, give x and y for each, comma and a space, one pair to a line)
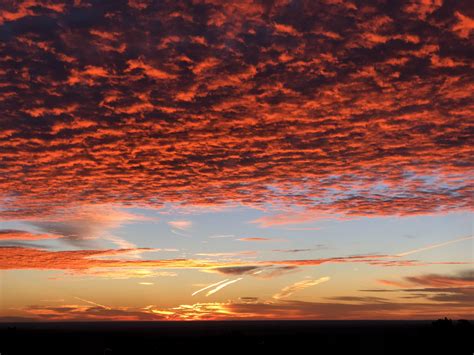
256, 159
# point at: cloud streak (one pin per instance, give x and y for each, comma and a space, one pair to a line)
434, 246
462, 279
221, 286
299, 286
93, 303
457, 288
181, 224
14, 234
254, 239
208, 287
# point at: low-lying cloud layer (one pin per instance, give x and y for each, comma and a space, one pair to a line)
458, 288
361, 308
419, 303
16, 257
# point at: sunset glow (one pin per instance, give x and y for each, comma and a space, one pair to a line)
221, 160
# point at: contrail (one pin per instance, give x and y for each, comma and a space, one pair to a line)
93, 303
221, 286
435, 246
205, 288
298, 286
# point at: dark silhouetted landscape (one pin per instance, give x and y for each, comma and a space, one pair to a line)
317, 337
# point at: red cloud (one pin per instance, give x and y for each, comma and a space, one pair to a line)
30, 258
433, 280
335, 109
462, 279
13, 234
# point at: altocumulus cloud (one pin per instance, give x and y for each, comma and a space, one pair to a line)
323, 98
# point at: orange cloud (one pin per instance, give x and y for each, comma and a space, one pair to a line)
80, 312
392, 283
298, 286
13, 234
455, 289
28, 258
256, 105
83, 261
465, 279
292, 218
355, 308
464, 26
181, 224
149, 70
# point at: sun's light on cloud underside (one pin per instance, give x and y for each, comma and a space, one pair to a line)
207, 160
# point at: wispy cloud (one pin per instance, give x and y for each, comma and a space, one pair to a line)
208, 287
229, 254
15, 234
254, 239
221, 236
302, 228
82, 226
265, 272
92, 303
291, 250
458, 289
181, 227
184, 225
181, 234
392, 283
434, 246
298, 286
461, 279
283, 219
81, 260
221, 286
117, 273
